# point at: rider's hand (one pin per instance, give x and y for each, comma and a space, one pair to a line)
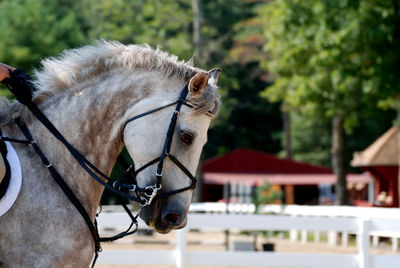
5, 70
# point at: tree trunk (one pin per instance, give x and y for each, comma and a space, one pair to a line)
288, 140
397, 199
338, 160
396, 38
196, 29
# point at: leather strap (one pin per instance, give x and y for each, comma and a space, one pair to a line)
165, 151
60, 181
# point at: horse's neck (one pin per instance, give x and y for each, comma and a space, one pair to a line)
92, 121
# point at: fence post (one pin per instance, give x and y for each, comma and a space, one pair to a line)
332, 238
375, 241
317, 237
303, 236
395, 244
345, 239
363, 243
293, 235
181, 248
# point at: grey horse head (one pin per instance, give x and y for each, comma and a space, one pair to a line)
145, 137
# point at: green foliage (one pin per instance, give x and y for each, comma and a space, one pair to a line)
155, 22
34, 29
264, 194
333, 58
316, 51
310, 139
382, 39
245, 119
311, 136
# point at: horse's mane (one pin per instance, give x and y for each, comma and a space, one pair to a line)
75, 65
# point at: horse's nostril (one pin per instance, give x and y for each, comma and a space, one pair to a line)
172, 218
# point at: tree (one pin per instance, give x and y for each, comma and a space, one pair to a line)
311, 135
318, 54
33, 29
383, 43
164, 23
245, 119
310, 139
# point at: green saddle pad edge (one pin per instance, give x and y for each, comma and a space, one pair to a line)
2, 169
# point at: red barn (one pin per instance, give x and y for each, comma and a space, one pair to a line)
381, 160
300, 182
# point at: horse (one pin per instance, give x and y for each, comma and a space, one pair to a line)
89, 94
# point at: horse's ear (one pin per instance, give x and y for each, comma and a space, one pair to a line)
214, 74
198, 84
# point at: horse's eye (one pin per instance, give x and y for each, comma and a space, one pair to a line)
186, 137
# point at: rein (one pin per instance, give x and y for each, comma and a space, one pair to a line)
20, 85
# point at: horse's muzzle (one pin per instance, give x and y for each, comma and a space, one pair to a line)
164, 216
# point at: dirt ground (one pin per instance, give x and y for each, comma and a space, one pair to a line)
211, 241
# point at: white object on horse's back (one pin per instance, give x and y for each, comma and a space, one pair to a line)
15, 181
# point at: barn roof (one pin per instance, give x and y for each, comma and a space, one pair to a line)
249, 161
382, 152
253, 167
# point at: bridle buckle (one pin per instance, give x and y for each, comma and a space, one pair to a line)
149, 193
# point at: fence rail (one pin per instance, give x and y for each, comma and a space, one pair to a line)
363, 226
301, 210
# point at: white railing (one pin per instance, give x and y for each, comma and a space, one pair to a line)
363, 226
300, 210
339, 211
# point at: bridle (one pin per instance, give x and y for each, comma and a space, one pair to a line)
151, 192
20, 85
130, 190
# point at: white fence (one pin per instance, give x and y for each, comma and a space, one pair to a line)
328, 211
363, 226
